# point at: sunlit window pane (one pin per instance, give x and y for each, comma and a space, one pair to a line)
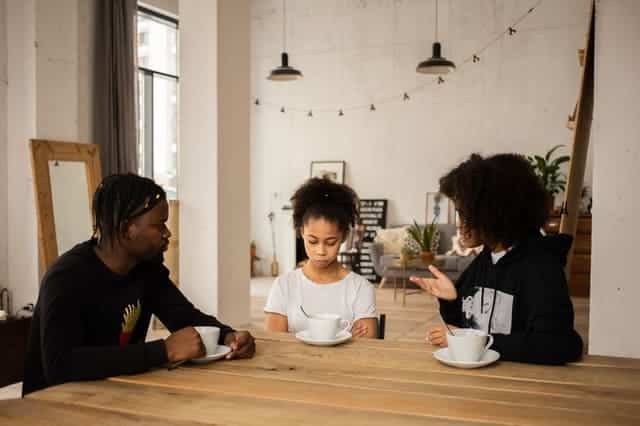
158, 100
165, 133
157, 44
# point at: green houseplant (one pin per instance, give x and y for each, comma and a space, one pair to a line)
547, 168
424, 236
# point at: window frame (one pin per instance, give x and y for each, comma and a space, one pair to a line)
148, 77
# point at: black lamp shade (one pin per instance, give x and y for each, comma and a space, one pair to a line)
284, 72
436, 64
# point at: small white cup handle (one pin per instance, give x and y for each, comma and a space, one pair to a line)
486, 348
345, 325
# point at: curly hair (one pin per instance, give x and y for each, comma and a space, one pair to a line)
323, 198
499, 198
119, 199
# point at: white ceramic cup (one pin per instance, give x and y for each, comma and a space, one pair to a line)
468, 344
209, 336
326, 326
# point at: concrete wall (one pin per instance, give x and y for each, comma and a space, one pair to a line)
355, 53
616, 134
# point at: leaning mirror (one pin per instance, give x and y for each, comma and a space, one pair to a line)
65, 176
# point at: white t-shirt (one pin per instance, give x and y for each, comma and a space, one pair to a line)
352, 298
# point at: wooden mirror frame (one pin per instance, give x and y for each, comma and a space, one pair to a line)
43, 151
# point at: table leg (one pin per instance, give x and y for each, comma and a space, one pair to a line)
404, 291
404, 285
395, 288
383, 281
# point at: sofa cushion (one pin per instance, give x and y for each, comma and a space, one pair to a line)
392, 239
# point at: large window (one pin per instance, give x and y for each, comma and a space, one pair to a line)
158, 99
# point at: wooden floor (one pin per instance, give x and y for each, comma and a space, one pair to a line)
405, 324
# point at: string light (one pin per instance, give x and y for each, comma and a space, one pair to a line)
473, 58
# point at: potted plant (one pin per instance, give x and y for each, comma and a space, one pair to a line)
425, 237
548, 170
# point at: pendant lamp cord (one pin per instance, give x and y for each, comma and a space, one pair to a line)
436, 20
284, 25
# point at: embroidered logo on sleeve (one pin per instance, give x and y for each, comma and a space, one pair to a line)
129, 321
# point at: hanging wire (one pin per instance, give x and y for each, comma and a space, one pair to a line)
436, 21
284, 25
474, 57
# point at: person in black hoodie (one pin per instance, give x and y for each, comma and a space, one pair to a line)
96, 300
516, 288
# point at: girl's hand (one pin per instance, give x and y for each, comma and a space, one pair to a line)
440, 286
359, 329
437, 335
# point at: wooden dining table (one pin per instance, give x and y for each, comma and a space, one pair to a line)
361, 382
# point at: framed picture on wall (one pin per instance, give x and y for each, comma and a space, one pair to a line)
333, 170
440, 209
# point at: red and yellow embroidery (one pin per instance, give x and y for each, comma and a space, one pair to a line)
130, 319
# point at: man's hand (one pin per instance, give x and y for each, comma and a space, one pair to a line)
184, 344
241, 343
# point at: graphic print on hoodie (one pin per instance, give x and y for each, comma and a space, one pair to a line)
477, 310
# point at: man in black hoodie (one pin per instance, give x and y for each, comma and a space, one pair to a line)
96, 300
516, 288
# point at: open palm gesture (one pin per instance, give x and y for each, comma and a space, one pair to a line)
440, 286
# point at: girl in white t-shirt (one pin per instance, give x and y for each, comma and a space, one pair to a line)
323, 213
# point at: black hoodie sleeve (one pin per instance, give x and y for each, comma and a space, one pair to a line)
62, 327
549, 336
451, 311
173, 308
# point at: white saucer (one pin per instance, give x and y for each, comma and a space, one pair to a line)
489, 357
221, 351
341, 337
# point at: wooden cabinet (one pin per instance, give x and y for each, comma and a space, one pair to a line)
14, 334
580, 270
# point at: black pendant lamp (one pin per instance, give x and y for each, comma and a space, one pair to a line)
436, 64
284, 72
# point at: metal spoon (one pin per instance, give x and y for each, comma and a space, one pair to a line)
447, 326
305, 314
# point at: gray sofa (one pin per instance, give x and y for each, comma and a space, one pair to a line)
451, 265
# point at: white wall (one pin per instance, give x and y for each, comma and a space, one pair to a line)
616, 134
234, 159
214, 157
49, 51
354, 53
22, 257
57, 69
3, 147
